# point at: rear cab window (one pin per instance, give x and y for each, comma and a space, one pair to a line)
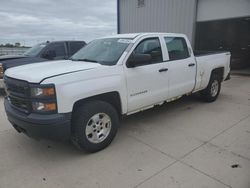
177, 48
75, 47
58, 48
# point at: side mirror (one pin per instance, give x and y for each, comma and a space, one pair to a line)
136, 60
51, 54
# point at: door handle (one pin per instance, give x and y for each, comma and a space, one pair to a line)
163, 70
191, 65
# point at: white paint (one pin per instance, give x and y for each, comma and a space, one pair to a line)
36, 72
138, 87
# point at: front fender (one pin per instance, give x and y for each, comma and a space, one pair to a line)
69, 92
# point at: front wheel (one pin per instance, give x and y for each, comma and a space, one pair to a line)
94, 125
212, 91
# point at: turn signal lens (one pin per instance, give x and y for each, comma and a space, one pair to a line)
44, 107
50, 107
48, 91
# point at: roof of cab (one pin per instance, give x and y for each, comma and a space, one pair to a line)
134, 35
64, 41
127, 35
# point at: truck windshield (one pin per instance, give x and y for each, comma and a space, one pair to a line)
104, 51
35, 50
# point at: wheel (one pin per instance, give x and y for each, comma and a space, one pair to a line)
212, 91
94, 125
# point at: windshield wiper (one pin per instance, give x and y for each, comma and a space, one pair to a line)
88, 60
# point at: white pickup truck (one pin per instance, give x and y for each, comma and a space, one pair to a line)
84, 98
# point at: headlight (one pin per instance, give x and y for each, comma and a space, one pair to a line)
43, 92
1, 70
44, 107
43, 98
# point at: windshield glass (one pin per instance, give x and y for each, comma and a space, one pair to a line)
104, 51
35, 50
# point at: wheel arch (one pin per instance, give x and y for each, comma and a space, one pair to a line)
112, 98
219, 71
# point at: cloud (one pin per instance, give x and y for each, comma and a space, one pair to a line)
33, 21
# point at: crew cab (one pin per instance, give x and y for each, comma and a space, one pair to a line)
84, 98
55, 50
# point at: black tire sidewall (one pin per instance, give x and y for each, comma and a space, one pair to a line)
206, 94
81, 118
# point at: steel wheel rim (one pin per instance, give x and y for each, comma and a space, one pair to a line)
98, 128
214, 88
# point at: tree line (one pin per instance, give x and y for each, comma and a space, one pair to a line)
16, 45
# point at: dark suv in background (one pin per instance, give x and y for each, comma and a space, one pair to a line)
41, 52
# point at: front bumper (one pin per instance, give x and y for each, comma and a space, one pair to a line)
54, 127
1, 83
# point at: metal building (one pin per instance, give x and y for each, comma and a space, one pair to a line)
157, 16
209, 24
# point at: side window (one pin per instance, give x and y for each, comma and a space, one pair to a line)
58, 49
75, 46
152, 47
177, 48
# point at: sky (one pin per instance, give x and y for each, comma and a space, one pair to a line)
34, 21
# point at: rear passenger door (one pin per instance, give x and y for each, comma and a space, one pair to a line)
182, 68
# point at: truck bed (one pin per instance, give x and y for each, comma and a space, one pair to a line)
206, 62
203, 53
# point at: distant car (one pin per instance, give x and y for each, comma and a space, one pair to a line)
56, 50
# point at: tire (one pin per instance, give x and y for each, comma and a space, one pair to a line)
94, 125
2, 92
211, 93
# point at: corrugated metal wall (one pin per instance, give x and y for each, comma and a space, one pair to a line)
177, 16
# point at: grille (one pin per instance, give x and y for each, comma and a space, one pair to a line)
19, 103
18, 93
12, 88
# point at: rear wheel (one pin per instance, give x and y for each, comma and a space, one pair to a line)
95, 125
212, 91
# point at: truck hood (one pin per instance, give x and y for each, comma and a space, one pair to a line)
23, 60
35, 73
8, 57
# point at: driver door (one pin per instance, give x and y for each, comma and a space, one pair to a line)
147, 84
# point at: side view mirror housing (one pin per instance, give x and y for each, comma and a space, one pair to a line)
51, 54
136, 60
